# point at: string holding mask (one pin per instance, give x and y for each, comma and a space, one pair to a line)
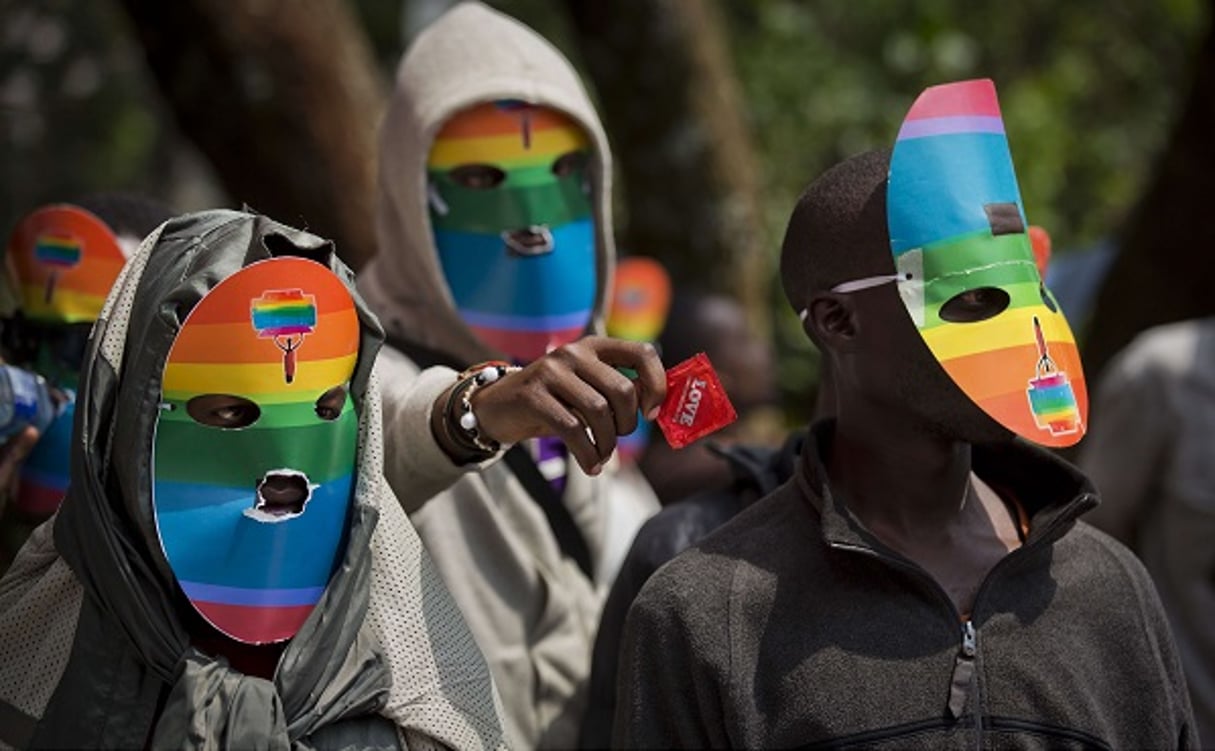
856, 285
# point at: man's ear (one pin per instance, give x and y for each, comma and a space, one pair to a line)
831, 321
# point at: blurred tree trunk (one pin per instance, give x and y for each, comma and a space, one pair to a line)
673, 112
1166, 266
283, 97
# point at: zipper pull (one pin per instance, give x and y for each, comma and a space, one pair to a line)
963, 671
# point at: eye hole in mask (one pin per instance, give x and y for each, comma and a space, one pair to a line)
477, 176
569, 163
223, 411
329, 404
975, 305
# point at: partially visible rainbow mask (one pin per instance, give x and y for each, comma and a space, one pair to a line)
966, 271
511, 209
254, 454
640, 301
65, 260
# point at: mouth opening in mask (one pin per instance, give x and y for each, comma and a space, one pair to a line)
536, 240
281, 495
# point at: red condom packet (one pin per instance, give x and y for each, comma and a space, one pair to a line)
696, 404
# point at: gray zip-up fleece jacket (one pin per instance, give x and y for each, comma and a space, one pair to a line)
794, 626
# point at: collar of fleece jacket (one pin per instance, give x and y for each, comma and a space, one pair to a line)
469, 56
1053, 492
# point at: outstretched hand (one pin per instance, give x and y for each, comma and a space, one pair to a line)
576, 393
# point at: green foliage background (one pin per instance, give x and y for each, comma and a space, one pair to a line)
1088, 89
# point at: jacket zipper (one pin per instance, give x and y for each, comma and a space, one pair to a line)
964, 663
963, 670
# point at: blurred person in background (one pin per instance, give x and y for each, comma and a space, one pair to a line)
716, 325
61, 261
1151, 454
501, 403
701, 486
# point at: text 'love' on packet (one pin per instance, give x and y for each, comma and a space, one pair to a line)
696, 404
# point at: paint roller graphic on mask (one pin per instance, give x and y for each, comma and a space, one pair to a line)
1051, 397
286, 316
58, 253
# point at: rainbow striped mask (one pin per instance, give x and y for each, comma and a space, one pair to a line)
65, 261
255, 446
965, 267
511, 210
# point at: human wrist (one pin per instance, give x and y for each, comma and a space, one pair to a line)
453, 422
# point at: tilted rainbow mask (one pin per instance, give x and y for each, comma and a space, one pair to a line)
966, 268
255, 446
511, 209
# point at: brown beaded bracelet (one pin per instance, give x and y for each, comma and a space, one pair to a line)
458, 414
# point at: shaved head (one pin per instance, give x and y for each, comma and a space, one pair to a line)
838, 229
838, 232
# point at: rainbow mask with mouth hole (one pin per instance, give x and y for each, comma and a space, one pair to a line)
966, 267
510, 206
255, 446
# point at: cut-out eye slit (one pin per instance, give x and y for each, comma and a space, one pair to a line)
568, 164
477, 176
975, 305
223, 410
329, 405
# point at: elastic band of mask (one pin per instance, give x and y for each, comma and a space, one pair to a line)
856, 285
436, 201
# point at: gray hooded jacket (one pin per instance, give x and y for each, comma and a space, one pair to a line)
94, 650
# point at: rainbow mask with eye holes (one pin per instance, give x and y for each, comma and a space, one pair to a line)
966, 269
511, 209
254, 454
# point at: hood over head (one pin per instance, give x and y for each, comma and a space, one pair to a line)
132, 649
469, 56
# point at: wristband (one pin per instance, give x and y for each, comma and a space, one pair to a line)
459, 421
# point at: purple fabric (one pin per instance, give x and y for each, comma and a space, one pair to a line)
551, 447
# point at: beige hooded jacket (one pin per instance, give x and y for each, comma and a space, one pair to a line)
532, 610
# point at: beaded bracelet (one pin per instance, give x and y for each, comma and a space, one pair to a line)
467, 436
